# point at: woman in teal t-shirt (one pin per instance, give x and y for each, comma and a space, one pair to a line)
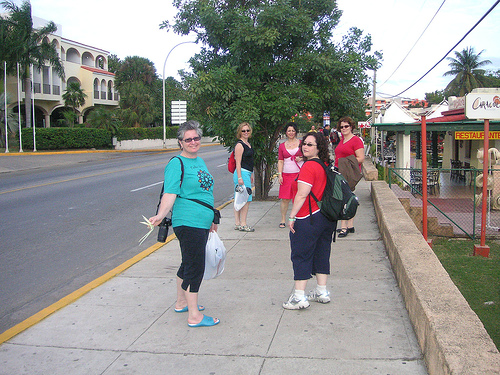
187, 178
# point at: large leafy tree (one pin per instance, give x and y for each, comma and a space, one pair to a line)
136, 80
27, 46
435, 97
466, 67
266, 61
493, 78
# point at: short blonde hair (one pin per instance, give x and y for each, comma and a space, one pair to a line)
240, 126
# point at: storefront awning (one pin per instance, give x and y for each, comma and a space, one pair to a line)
451, 123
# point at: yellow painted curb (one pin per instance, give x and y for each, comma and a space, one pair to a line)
158, 150
72, 297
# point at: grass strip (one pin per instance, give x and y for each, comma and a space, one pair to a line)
477, 278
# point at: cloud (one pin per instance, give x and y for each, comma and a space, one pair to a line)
395, 25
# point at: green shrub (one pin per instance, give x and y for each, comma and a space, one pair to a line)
79, 137
66, 138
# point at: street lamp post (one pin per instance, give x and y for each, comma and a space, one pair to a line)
164, 114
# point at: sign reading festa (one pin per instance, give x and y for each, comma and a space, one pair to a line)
482, 106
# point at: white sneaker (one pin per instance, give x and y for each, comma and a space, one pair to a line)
315, 296
296, 303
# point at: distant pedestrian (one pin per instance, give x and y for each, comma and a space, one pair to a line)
326, 132
243, 174
349, 146
289, 163
310, 231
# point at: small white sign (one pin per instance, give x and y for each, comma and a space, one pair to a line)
178, 111
482, 106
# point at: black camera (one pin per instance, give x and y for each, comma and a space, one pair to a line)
163, 229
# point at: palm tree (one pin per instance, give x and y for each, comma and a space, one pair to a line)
74, 96
465, 68
31, 46
101, 117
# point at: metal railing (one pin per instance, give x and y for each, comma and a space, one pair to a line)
454, 197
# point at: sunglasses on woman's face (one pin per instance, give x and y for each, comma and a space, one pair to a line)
308, 144
345, 126
246, 131
189, 140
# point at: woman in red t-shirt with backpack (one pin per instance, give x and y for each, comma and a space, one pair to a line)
310, 232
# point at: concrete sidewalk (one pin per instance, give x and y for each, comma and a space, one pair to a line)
128, 324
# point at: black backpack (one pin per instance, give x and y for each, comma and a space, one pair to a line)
338, 201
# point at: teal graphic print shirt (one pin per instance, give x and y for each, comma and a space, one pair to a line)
197, 183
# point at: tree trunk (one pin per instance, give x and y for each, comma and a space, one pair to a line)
264, 171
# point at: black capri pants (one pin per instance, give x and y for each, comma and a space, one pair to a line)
311, 246
193, 242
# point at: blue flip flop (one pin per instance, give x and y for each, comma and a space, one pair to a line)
200, 308
207, 321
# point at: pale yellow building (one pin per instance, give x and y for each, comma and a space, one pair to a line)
82, 63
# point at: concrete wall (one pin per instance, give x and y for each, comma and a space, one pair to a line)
152, 144
452, 338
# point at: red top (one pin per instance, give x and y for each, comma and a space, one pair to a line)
313, 175
349, 148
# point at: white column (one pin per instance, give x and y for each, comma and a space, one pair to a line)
402, 150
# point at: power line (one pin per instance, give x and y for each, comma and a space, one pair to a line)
411, 49
452, 48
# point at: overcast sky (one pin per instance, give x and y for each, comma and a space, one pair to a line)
395, 26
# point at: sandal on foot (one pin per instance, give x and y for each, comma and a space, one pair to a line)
343, 232
207, 321
200, 308
237, 227
246, 228
282, 225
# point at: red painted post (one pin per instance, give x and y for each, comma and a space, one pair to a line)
485, 180
482, 249
424, 177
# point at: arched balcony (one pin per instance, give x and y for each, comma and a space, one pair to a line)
88, 59
101, 62
72, 55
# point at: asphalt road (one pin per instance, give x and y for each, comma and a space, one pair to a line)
63, 226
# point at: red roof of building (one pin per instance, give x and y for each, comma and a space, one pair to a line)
96, 70
451, 118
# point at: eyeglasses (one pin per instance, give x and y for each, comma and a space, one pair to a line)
189, 140
246, 131
308, 144
345, 126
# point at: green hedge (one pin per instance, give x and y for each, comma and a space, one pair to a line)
67, 138
123, 134
77, 138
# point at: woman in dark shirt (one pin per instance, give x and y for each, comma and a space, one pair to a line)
243, 154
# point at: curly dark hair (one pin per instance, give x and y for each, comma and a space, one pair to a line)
323, 152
